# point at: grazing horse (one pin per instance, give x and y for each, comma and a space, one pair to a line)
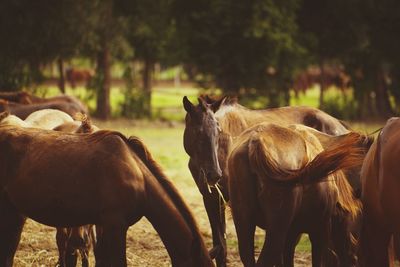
22, 97
23, 111
67, 180
17, 97
277, 182
380, 178
72, 240
209, 127
43, 119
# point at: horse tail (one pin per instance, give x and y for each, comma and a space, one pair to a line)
137, 146
346, 154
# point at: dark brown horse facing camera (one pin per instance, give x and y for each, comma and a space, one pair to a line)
67, 180
284, 180
380, 177
209, 127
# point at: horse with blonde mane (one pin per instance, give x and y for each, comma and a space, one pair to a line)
119, 183
282, 179
380, 175
209, 128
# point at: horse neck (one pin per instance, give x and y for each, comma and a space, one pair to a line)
180, 234
169, 214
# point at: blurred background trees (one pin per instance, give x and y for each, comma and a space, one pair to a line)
257, 48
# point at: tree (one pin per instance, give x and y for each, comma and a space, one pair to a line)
149, 29
39, 32
233, 43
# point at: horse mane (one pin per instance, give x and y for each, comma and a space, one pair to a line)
346, 198
137, 146
344, 155
86, 124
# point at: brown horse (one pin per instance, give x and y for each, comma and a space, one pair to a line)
17, 97
67, 180
209, 127
74, 240
75, 75
380, 196
23, 111
22, 97
277, 182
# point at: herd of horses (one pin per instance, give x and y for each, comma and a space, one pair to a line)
289, 170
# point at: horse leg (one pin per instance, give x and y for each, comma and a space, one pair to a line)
61, 239
111, 246
292, 240
245, 229
343, 240
274, 243
319, 238
216, 214
11, 225
71, 256
374, 243
85, 257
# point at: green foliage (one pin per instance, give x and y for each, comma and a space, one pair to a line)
234, 43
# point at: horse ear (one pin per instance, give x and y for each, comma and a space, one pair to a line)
203, 103
189, 107
217, 104
4, 115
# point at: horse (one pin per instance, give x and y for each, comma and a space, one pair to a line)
283, 180
104, 178
78, 75
23, 97
42, 119
74, 240
209, 127
17, 97
23, 111
380, 194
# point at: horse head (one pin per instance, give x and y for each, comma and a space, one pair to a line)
201, 138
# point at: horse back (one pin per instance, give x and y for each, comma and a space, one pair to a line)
89, 176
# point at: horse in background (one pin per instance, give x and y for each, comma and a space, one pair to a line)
380, 177
284, 181
119, 183
26, 98
43, 119
23, 111
209, 128
75, 75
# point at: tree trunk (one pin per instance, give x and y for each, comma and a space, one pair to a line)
322, 84
103, 93
61, 81
147, 86
382, 102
